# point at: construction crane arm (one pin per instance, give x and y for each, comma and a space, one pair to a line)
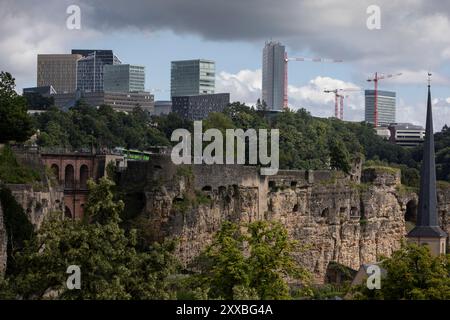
380, 77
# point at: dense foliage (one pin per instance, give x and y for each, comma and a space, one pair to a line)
84, 126
411, 273
15, 124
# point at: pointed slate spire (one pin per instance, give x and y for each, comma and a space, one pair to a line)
427, 224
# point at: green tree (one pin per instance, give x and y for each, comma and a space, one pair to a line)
101, 206
339, 156
271, 260
15, 124
226, 267
412, 273
251, 261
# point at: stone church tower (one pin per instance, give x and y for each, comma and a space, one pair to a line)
427, 230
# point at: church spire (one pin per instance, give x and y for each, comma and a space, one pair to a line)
427, 225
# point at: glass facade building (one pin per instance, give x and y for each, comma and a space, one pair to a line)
273, 75
90, 68
386, 107
123, 78
58, 71
192, 77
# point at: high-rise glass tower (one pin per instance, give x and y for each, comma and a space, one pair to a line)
90, 68
385, 106
273, 75
192, 77
123, 78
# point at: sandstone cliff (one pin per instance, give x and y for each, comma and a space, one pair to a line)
37, 200
338, 218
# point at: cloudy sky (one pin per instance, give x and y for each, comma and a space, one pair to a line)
413, 38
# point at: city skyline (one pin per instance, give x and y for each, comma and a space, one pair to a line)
238, 54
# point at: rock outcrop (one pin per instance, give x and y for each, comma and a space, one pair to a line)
336, 218
37, 200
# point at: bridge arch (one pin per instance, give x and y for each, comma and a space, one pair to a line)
69, 177
84, 176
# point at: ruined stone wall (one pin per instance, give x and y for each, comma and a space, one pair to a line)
334, 217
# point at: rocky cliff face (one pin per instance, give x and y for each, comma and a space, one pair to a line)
444, 209
3, 244
336, 218
37, 200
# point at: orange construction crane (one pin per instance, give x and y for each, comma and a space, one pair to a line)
286, 60
339, 112
375, 79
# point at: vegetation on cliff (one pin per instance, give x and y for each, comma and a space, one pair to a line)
11, 171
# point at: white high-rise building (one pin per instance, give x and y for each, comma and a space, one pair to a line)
273, 75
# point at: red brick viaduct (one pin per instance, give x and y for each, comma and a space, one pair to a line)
73, 170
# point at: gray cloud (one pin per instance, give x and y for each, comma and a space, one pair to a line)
413, 33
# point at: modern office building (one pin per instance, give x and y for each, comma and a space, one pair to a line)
44, 90
406, 134
198, 107
273, 75
119, 101
162, 107
39, 98
90, 68
58, 70
192, 77
123, 78
386, 107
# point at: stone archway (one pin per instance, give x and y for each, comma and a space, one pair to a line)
84, 176
69, 177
